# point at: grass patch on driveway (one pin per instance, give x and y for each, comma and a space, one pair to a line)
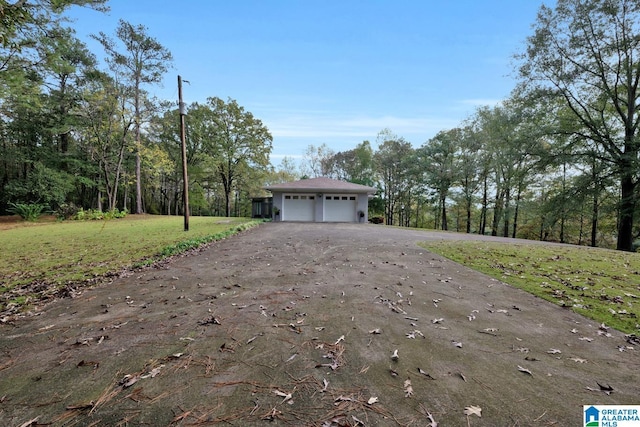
43, 257
601, 284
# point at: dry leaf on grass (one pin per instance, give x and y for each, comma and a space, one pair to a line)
129, 380
372, 400
152, 373
473, 410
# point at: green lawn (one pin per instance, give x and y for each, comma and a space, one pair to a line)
601, 284
45, 256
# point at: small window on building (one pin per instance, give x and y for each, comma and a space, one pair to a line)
344, 198
328, 198
352, 197
303, 197
287, 197
336, 197
312, 197
295, 197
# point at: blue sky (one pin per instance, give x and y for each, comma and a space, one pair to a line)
334, 71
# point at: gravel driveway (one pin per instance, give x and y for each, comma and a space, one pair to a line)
299, 324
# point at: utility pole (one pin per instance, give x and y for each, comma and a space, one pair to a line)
183, 140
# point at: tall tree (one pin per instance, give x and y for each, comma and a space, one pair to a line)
238, 144
394, 163
107, 134
440, 165
354, 165
25, 21
142, 62
587, 53
317, 161
469, 170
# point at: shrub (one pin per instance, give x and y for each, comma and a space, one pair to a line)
95, 215
27, 211
376, 219
67, 211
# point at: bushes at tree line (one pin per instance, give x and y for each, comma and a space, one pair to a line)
27, 211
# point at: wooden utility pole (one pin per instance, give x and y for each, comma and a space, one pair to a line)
183, 140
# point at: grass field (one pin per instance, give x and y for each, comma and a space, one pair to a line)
601, 284
42, 257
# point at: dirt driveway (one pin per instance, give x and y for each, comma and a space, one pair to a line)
298, 324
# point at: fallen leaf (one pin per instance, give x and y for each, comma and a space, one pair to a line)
129, 380
457, 344
372, 400
408, 389
426, 374
210, 321
554, 351
375, 331
473, 410
433, 422
153, 373
525, 370
357, 421
339, 340
436, 321
395, 356
605, 388
579, 360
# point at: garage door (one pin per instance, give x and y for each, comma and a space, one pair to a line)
298, 207
340, 207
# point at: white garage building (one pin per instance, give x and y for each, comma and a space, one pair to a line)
321, 200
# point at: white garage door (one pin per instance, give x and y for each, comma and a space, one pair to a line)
298, 207
340, 207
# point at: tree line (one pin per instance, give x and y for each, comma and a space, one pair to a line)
74, 135
558, 160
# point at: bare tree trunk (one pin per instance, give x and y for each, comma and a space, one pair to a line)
443, 201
